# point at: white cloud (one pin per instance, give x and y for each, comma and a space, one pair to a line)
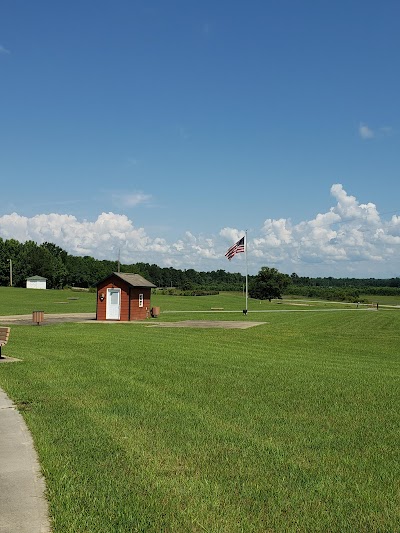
349, 232
231, 234
349, 239
131, 199
365, 132
100, 238
4, 50
278, 230
348, 208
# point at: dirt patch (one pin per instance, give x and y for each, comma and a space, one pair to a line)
224, 324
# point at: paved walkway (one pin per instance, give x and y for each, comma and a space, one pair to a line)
23, 507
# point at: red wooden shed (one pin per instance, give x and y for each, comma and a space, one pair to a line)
123, 297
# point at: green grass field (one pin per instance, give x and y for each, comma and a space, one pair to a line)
16, 301
288, 426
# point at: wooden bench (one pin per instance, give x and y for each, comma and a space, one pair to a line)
4, 334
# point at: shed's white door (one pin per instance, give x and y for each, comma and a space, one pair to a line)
113, 304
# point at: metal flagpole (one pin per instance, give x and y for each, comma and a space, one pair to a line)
247, 272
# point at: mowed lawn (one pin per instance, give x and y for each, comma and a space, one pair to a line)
19, 301
289, 426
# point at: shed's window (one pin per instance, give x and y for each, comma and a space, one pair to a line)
140, 300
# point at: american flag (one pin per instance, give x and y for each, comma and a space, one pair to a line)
235, 249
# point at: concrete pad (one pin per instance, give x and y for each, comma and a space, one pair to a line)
49, 318
23, 507
224, 324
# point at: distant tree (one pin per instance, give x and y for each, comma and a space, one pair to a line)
187, 285
31, 262
295, 278
268, 284
4, 264
55, 250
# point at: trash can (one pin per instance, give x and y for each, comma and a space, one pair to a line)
38, 317
155, 311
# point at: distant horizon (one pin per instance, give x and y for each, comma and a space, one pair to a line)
122, 265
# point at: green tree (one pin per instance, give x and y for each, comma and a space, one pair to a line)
30, 262
4, 264
268, 284
295, 278
56, 271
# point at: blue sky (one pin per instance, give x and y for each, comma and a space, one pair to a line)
167, 128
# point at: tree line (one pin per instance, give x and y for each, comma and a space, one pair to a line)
330, 282
64, 270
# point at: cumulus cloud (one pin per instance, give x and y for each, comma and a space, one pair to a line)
99, 238
350, 238
199, 246
231, 234
349, 232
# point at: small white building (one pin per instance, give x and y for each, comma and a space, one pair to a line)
36, 282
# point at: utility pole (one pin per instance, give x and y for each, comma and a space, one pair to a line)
11, 280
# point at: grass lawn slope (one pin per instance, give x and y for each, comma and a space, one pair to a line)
289, 426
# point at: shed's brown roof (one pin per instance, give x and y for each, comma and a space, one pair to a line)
134, 280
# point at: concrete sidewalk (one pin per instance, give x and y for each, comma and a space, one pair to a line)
23, 507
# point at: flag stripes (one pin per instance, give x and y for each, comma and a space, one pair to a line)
237, 248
